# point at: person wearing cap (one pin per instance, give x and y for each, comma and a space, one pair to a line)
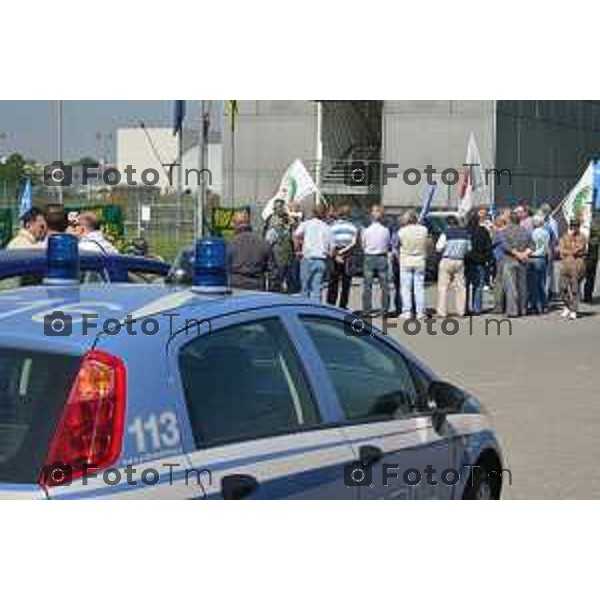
32, 232
572, 249
454, 245
91, 238
250, 257
279, 235
73, 227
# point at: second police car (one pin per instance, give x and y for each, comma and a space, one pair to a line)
156, 391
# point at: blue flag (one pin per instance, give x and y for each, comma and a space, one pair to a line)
179, 116
596, 200
26, 198
427, 203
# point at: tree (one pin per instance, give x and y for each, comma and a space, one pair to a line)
12, 171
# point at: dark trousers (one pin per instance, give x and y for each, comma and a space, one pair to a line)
281, 278
396, 281
294, 277
339, 273
515, 287
591, 264
499, 292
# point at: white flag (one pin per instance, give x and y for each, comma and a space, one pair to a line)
578, 203
296, 184
473, 187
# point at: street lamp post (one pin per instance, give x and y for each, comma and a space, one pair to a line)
60, 144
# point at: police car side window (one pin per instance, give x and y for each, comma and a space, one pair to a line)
245, 382
371, 379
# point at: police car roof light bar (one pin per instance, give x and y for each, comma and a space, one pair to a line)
62, 260
211, 274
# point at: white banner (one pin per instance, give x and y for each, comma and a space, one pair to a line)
474, 190
296, 184
578, 203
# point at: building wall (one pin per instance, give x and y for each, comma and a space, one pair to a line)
417, 133
547, 145
269, 136
134, 148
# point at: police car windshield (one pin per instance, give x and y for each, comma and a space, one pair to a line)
34, 387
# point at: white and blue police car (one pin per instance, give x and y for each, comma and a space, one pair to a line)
158, 391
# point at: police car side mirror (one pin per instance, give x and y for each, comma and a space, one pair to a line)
443, 398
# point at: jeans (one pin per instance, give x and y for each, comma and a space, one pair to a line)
375, 266
475, 275
311, 276
413, 277
537, 269
499, 291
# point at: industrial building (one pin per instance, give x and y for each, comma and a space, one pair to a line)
544, 144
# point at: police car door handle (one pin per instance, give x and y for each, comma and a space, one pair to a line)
237, 487
369, 455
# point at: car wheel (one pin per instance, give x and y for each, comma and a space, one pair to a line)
482, 486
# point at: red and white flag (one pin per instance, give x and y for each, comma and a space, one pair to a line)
472, 186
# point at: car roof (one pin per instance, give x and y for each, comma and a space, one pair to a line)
23, 262
22, 310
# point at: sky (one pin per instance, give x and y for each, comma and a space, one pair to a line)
30, 126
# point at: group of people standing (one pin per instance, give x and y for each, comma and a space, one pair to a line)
515, 253
37, 225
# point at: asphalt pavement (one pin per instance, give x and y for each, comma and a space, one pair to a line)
541, 387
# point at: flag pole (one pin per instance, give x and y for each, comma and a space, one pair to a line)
179, 183
60, 144
319, 151
232, 175
202, 156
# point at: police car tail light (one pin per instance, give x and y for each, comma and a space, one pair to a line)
90, 432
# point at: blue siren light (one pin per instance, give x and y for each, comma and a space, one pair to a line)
210, 266
62, 260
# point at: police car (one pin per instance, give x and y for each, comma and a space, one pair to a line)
157, 391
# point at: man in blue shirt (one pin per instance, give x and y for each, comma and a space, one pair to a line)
343, 237
454, 245
551, 226
537, 266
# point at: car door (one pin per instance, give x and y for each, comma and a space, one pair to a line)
257, 421
384, 412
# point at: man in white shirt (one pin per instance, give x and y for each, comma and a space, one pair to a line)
376, 243
313, 242
92, 239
